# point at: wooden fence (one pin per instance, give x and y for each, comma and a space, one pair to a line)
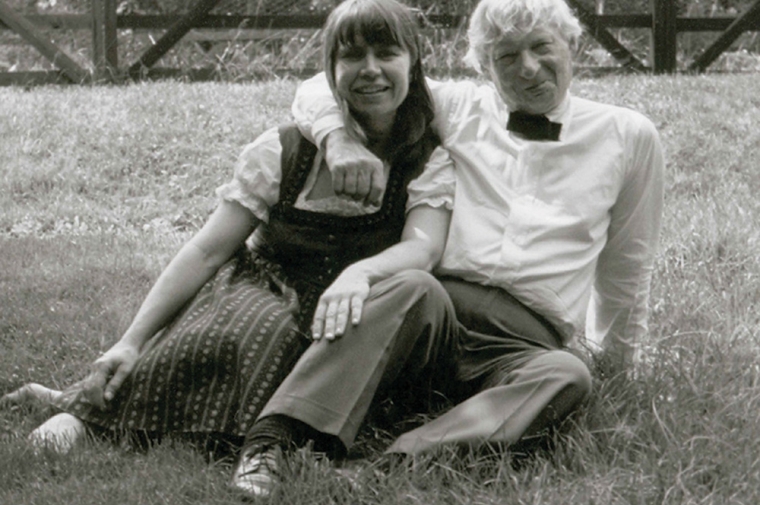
104, 23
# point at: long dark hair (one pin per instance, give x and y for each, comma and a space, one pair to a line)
382, 22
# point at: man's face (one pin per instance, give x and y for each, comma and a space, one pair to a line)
532, 71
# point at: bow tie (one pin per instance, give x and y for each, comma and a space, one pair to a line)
532, 126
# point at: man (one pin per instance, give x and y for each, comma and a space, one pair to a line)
555, 216
589, 202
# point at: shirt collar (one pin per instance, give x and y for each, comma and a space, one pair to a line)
559, 113
562, 113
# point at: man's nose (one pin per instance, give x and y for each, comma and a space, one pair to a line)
529, 65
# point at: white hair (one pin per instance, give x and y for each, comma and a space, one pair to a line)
493, 19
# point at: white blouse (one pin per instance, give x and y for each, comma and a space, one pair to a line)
258, 173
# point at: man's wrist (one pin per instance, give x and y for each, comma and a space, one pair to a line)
325, 137
336, 135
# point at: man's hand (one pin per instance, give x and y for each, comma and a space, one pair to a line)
356, 172
344, 298
107, 374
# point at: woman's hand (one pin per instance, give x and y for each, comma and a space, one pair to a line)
108, 372
344, 298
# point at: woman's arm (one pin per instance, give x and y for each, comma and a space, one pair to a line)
195, 263
421, 247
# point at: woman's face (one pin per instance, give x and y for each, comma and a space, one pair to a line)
373, 79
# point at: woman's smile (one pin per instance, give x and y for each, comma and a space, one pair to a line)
371, 89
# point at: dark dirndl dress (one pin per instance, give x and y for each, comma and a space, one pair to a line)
216, 365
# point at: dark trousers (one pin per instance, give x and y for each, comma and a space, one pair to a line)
510, 360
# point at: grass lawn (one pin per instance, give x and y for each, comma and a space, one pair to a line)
99, 186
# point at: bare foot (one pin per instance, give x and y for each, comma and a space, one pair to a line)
31, 392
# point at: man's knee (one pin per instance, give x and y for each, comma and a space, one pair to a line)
417, 279
574, 373
411, 302
413, 285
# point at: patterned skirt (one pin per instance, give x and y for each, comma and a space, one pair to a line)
216, 365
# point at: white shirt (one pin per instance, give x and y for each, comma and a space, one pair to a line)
556, 224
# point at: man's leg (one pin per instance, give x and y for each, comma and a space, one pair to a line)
538, 394
527, 383
406, 322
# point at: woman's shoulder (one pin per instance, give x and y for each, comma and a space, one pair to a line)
285, 138
268, 140
289, 132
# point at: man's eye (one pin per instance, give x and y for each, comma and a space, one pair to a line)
506, 57
542, 47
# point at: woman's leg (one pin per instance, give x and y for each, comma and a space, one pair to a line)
407, 322
60, 433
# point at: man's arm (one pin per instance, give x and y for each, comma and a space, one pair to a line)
356, 172
315, 110
625, 266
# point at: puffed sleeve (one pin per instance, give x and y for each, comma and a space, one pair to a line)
256, 181
436, 185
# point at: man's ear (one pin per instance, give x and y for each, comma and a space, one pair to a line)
574, 44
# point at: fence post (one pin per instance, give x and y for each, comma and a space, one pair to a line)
42, 43
664, 36
735, 29
173, 35
104, 40
605, 38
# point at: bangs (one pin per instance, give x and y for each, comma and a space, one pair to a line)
380, 23
369, 25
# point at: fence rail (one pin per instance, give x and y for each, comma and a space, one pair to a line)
105, 23
156, 22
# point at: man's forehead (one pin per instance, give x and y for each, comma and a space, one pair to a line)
522, 37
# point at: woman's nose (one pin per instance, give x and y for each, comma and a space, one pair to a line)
371, 66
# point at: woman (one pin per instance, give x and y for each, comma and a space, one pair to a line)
224, 323
362, 38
